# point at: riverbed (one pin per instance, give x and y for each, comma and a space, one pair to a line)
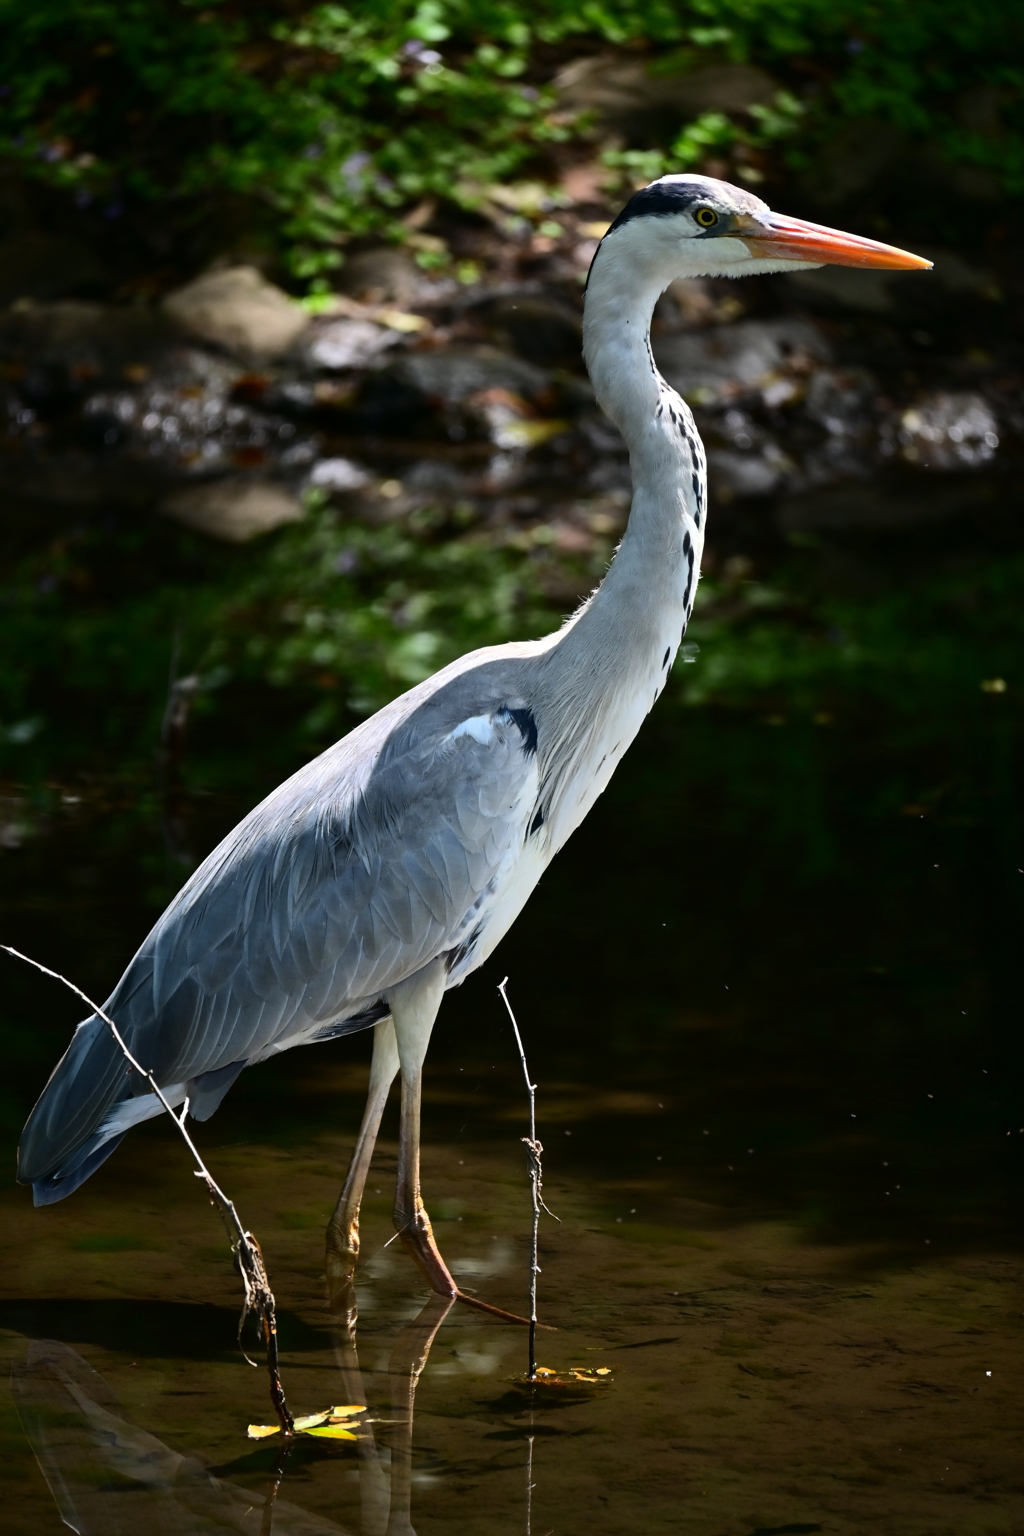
767, 995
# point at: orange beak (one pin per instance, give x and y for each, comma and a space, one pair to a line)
798, 240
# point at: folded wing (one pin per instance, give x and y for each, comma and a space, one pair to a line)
370, 862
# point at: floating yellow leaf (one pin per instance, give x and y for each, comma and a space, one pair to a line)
309, 1419
334, 1422
400, 320
526, 434
573, 1381
603, 1370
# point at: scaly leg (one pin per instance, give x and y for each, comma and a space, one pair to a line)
414, 1004
343, 1228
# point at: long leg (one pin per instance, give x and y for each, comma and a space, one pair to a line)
343, 1228
414, 1004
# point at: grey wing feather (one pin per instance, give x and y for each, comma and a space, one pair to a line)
362, 868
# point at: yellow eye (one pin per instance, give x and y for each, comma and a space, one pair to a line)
706, 217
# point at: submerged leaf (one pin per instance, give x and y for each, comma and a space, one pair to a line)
337, 1423
308, 1420
573, 1382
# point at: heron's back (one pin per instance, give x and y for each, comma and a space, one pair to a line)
368, 863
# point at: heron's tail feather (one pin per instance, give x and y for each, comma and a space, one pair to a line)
80, 1166
66, 1136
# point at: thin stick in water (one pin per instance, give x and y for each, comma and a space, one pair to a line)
529, 1478
534, 1149
258, 1297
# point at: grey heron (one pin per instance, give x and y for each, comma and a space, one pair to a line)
389, 868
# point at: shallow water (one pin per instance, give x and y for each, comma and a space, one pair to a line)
771, 998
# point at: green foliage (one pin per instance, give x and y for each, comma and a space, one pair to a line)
333, 617
711, 133
922, 646
335, 119
375, 609
339, 615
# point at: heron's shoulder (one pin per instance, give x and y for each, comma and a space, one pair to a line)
475, 684
324, 795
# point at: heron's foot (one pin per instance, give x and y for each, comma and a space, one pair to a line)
341, 1259
342, 1304
418, 1237
507, 1317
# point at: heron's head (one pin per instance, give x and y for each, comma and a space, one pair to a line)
694, 226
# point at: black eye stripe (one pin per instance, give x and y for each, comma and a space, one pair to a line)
672, 194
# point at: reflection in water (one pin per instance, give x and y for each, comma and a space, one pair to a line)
790, 1173
110, 1478
386, 1511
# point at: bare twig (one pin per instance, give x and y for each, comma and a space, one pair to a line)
258, 1298
267, 1522
534, 1150
530, 1485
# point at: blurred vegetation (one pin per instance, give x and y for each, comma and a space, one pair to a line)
856, 732
308, 126
321, 623
333, 616
311, 124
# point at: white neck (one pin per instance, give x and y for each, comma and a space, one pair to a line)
614, 656
665, 452
649, 590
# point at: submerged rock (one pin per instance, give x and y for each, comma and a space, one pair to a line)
625, 91
384, 276
188, 419
949, 431
457, 372
338, 475
725, 361
234, 510
239, 310
349, 344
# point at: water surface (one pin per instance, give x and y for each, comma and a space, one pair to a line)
771, 999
